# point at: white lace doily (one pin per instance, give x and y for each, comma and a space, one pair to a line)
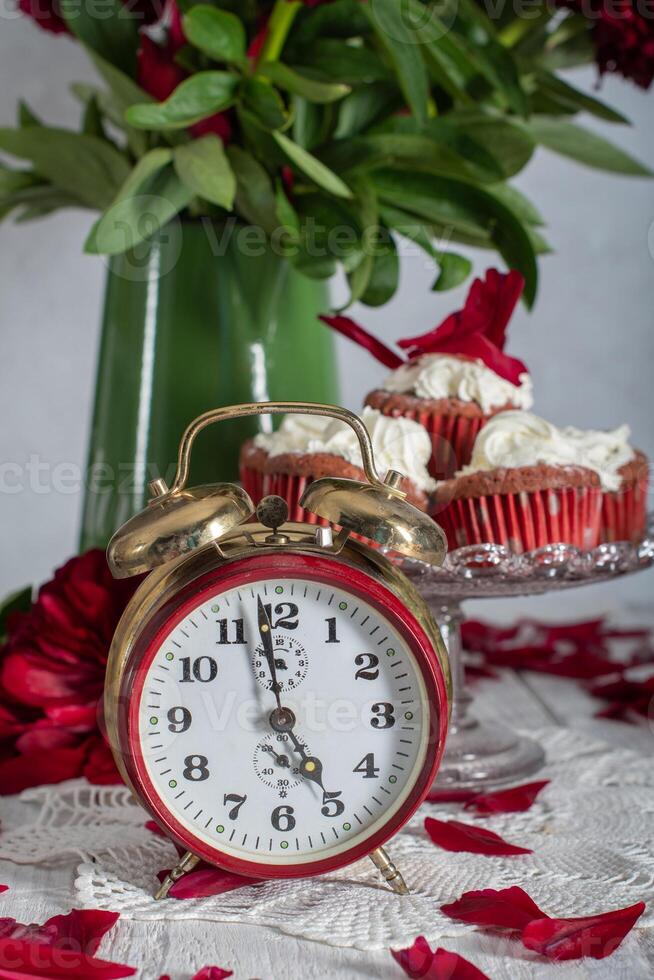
591, 831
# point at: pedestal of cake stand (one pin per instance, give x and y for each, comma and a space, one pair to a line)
480, 755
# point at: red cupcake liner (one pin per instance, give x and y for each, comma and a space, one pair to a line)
624, 513
524, 521
291, 488
452, 438
253, 482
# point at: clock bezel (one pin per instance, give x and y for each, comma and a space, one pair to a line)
242, 570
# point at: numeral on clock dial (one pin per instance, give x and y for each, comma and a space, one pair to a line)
331, 630
368, 664
383, 716
332, 806
201, 669
196, 768
282, 818
367, 767
238, 802
236, 630
286, 615
179, 719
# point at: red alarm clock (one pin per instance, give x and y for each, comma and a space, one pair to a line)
277, 693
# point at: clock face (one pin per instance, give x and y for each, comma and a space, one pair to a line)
282, 719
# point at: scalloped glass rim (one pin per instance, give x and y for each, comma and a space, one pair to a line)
493, 569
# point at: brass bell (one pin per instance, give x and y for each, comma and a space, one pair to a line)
380, 514
175, 523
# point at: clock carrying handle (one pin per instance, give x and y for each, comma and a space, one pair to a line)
279, 408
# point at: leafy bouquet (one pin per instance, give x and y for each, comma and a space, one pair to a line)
333, 127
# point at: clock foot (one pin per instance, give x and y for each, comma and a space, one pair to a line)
187, 863
388, 871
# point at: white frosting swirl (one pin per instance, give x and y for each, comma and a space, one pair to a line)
512, 439
398, 443
448, 376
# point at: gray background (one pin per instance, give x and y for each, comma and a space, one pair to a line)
589, 343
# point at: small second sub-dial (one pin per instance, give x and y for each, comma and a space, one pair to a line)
291, 664
276, 764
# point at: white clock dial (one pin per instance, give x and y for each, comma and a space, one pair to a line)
359, 702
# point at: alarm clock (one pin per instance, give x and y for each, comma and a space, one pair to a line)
277, 694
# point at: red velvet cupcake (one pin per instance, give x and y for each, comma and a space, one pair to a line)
530, 484
457, 376
287, 461
624, 511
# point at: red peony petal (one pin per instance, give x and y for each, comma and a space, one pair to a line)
419, 961
212, 973
30, 960
81, 929
452, 835
450, 795
4, 888
100, 768
506, 908
514, 800
353, 331
154, 828
207, 882
596, 936
38, 769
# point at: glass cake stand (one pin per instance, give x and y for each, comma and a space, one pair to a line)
479, 755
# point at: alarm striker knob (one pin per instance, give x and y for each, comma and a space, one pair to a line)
272, 511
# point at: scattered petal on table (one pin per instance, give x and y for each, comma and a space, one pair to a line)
212, 973
419, 962
452, 835
450, 795
81, 929
514, 800
154, 828
31, 960
571, 939
209, 881
504, 908
4, 888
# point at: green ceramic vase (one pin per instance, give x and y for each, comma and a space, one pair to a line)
194, 320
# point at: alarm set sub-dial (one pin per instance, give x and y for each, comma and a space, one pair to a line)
291, 664
276, 765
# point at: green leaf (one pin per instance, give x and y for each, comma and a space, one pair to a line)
123, 93
255, 198
459, 208
107, 27
286, 213
17, 602
89, 168
576, 100
203, 167
312, 167
454, 269
195, 99
298, 84
341, 18
92, 119
516, 201
509, 143
344, 63
216, 32
12, 181
265, 102
359, 276
399, 41
40, 201
362, 107
385, 272
150, 197
571, 140
26, 117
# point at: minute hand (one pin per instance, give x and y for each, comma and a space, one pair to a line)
265, 629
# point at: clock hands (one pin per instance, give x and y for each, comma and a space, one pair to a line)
265, 629
282, 719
